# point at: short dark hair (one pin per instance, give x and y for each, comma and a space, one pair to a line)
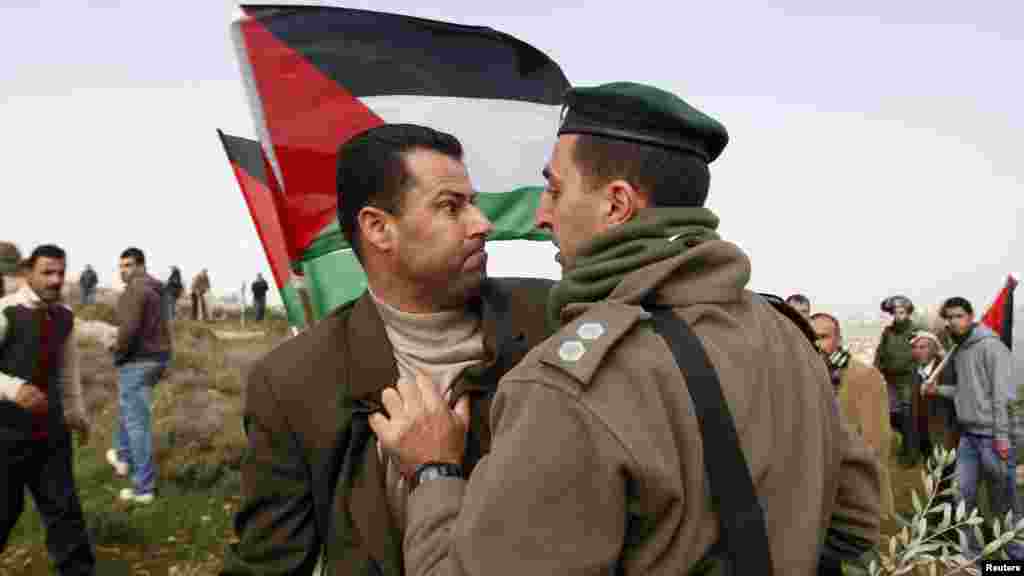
668, 177
134, 254
372, 170
44, 251
798, 299
956, 302
831, 318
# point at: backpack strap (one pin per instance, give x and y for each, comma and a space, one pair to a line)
743, 535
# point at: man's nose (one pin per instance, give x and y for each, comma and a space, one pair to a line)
482, 226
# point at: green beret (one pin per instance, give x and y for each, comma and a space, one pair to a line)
645, 114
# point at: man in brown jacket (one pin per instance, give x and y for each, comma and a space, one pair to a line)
863, 397
315, 484
597, 464
141, 351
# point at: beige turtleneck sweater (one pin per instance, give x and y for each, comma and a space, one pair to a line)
441, 345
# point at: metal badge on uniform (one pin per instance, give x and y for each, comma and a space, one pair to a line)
571, 350
590, 330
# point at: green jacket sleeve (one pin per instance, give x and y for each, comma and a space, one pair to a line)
275, 525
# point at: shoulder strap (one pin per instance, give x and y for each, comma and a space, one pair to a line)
743, 533
789, 312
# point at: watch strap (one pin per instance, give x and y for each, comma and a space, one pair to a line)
435, 470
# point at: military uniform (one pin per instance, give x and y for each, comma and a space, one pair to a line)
598, 462
311, 477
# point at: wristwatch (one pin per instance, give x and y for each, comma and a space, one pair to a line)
435, 470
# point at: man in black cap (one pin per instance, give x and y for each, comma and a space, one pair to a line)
651, 433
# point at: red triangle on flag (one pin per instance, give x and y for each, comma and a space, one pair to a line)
307, 117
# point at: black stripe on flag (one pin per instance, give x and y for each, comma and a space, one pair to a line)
246, 154
361, 51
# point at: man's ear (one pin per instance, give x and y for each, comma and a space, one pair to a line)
377, 228
621, 202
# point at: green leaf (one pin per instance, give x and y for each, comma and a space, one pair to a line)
916, 501
974, 520
961, 510
990, 548
977, 532
997, 527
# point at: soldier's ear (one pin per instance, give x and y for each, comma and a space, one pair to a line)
621, 202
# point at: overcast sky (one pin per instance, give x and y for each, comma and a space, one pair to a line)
875, 146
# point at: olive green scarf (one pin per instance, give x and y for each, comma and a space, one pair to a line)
606, 259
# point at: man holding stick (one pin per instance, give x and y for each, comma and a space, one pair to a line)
982, 375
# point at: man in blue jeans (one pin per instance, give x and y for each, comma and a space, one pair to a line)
141, 353
984, 386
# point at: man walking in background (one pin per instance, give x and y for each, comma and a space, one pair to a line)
141, 353
259, 296
40, 400
200, 304
87, 285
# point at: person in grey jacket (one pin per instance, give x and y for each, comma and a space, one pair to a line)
981, 391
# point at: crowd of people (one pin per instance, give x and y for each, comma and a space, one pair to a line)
961, 402
646, 400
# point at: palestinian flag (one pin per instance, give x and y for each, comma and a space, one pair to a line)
250, 168
999, 316
316, 76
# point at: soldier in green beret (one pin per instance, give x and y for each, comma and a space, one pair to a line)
610, 438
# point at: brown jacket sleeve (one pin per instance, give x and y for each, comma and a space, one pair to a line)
857, 512
275, 525
130, 310
548, 499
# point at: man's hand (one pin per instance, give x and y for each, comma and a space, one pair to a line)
1002, 447
421, 428
31, 398
931, 388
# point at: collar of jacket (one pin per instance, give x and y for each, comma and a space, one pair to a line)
371, 366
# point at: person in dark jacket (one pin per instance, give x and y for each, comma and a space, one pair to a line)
894, 360
87, 285
141, 353
172, 292
259, 296
40, 401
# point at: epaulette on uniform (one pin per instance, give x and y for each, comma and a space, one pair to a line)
580, 346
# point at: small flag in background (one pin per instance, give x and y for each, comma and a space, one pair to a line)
999, 316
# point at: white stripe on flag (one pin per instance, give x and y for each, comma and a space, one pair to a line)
517, 258
506, 142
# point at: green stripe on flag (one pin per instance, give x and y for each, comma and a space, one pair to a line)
332, 280
293, 305
513, 213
